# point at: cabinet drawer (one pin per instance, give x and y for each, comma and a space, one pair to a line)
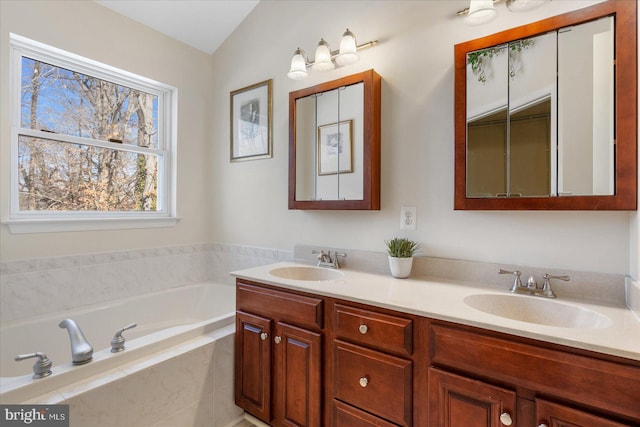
347, 416
301, 310
382, 331
614, 387
375, 382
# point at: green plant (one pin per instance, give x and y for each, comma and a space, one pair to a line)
401, 247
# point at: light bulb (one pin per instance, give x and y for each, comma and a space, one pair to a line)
322, 60
348, 47
480, 11
298, 70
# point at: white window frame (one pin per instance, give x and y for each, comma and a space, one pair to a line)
48, 221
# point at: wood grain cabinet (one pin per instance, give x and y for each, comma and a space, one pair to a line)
306, 360
458, 401
278, 362
373, 367
484, 378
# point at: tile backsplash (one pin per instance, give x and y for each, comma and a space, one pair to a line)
38, 286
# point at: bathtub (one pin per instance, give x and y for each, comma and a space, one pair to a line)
167, 320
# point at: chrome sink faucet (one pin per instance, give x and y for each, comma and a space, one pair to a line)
532, 287
325, 259
81, 350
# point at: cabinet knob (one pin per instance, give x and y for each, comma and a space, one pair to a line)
543, 425
364, 381
505, 419
263, 336
363, 329
277, 339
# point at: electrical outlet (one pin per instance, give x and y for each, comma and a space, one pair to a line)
408, 218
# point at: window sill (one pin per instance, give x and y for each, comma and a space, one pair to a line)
24, 226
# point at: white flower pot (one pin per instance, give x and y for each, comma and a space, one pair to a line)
400, 267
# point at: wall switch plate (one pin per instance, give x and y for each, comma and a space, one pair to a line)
408, 218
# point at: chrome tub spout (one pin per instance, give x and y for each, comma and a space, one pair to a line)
81, 350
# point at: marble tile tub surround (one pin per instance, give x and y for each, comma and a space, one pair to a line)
592, 286
38, 286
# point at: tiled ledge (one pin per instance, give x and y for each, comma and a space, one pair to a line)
38, 286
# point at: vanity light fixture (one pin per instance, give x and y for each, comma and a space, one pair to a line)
326, 59
482, 11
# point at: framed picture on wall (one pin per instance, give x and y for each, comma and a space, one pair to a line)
334, 148
251, 122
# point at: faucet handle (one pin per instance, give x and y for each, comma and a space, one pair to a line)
320, 254
549, 276
42, 367
546, 288
117, 343
517, 283
336, 254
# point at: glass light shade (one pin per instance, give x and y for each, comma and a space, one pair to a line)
524, 5
481, 11
298, 70
348, 48
322, 61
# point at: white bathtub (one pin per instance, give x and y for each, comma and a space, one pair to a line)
165, 319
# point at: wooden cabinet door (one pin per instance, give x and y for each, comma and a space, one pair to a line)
297, 377
456, 401
554, 415
253, 364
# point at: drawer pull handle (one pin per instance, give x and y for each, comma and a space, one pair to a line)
505, 419
363, 329
364, 381
263, 336
277, 339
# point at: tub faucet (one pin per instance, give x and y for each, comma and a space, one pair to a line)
81, 350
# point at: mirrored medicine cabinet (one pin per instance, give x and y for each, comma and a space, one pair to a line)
334, 144
546, 114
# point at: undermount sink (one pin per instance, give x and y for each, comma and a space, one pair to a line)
537, 310
312, 274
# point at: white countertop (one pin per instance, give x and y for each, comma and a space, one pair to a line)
444, 300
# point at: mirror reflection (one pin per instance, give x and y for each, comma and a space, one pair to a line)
334, 144
540, 115
329, 144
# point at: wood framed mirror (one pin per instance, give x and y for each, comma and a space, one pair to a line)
334, 144
546, 114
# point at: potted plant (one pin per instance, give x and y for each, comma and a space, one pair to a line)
401, 251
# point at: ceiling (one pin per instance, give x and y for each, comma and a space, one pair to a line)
203, 24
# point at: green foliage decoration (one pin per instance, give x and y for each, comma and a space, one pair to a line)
401, 247
480, 58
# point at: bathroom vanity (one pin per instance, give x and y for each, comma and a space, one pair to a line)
368, 350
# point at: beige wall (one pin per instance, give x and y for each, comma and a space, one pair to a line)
90, 30
246, 202
415, 60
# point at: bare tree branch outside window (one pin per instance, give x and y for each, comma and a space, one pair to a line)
55, 174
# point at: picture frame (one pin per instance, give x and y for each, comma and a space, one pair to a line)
335, 148
251, 122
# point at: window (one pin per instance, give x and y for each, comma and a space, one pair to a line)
89, 143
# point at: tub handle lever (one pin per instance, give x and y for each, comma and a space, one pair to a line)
117, 343
42, 368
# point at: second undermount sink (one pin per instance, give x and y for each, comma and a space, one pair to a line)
537, 310
313, 274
